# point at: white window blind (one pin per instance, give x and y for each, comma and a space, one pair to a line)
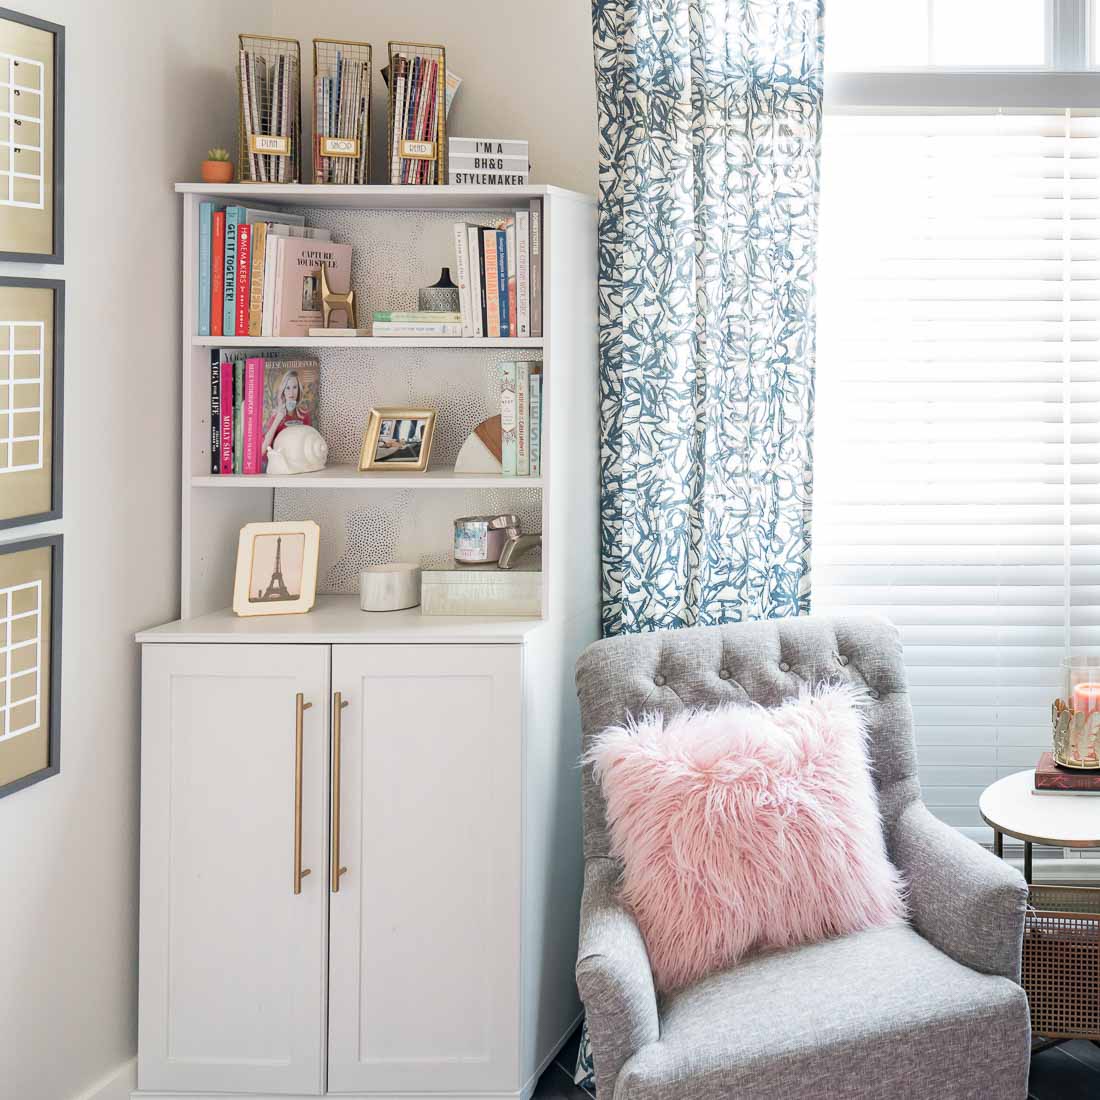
957, 443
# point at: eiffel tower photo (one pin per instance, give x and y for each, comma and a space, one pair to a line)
276, 587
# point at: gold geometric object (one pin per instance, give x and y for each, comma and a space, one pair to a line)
1076, 736
330, 301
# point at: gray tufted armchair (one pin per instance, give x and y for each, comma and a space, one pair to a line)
931, 1009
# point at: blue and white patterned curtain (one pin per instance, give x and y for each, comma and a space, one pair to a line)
709, 120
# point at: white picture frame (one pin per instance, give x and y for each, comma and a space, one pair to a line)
276, 568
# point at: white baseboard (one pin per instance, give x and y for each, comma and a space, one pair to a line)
117, 1085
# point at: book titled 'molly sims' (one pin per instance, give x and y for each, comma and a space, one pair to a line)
298, 282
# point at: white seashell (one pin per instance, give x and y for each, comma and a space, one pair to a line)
297, 449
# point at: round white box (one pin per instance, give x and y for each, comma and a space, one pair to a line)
391, 587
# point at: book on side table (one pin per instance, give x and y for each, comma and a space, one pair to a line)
1051, 778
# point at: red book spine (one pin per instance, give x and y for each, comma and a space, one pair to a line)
251, 415
244, 277
217, 273
225, 391
1050, 777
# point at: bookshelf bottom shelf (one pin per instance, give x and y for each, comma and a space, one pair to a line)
350, 477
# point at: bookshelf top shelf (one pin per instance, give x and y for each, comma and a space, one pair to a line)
383, 196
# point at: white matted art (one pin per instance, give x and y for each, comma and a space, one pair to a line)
31, 324
30, 661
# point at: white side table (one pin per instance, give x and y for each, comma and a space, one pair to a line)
1062, 821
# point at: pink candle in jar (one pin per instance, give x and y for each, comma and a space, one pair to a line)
1086, 698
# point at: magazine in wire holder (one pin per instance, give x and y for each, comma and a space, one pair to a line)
270, 90
341, 111
417, 136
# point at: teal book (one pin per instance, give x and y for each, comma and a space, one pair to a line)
508, 423
234, 215
536, 421
206, 224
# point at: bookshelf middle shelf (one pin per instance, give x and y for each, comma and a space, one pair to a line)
350, 477
461, 343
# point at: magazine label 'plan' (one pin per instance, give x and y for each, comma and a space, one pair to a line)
272, 144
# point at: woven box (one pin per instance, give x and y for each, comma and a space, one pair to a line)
1061, 963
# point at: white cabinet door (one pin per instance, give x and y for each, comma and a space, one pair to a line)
232, 960
424, 930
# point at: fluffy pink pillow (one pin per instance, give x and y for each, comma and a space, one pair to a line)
743, 828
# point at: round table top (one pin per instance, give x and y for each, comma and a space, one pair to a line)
1062, 820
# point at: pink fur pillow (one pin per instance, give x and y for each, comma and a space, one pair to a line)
742, 828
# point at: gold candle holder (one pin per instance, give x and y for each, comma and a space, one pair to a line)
1075, 736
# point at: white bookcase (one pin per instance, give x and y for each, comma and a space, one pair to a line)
414, 777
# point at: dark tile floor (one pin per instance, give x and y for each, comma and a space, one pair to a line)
1070, 1071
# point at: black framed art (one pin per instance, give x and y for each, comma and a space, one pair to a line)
30, 661
32, 139
32, 345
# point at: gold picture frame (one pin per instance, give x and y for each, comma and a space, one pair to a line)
32, 139
397, 439
276, 568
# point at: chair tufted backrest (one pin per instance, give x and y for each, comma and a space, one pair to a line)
759, 662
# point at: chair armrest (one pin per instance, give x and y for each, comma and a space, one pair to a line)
613, 976
962, 898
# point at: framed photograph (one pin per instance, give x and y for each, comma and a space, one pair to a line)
32, 138
398, 439
32, 325
30, 662
276, 568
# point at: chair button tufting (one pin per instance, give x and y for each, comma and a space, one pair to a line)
784, 667
723, 674
842, 660
873, 694
659, 681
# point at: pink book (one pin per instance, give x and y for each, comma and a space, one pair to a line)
298, 298
251, 414
244, 278
225, 391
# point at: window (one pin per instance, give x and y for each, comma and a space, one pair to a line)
957, 443
867, 35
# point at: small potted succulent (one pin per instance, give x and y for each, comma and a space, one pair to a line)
217, 168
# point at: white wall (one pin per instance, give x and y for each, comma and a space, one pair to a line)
526, 66
147, 91
149, 88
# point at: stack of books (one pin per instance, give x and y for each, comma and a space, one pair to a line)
1052, 778
499, 275
252, 398
414, 117
259, 271
416, 323
487, 162
521, 419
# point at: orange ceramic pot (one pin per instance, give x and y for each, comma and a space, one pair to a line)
217, 171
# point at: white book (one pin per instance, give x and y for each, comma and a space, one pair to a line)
473, 240
271, 273
398, 120
462, 273
523, 419
403, 328
523, 273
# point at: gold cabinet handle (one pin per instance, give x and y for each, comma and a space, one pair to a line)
300, 708
338, 704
